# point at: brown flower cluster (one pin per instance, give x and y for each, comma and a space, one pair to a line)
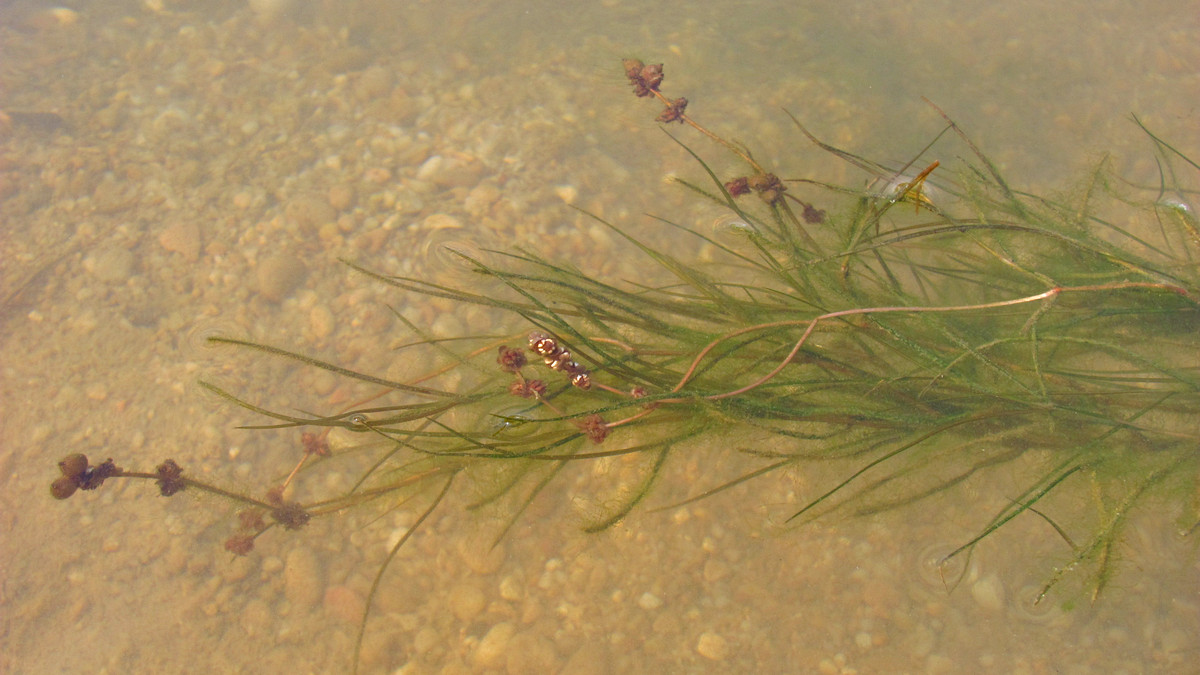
316, 445
170, 478
594, 428
527, 388
644, 78
558, 358
768, 186
674, 111
510, 360
250, 525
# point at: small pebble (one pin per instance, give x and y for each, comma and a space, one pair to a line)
481, 198
237, 569
271, 564
482, 555
649, 601
510, 588
308, 212
183, 238
374, 83
466, 602
54, 17
320, 321
988, 592
279, 275
531, 654
441, 221
302, 579
567, 193
341, 197
493, 648
256, 617
713, 647
345, 603
112, 264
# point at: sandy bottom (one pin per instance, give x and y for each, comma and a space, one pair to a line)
172, 170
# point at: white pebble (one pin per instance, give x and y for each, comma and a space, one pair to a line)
649, 601
567, 193
989, 592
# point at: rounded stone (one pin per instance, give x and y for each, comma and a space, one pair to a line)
466, 602
112, 264
256, 617
345, 603
531, 654
302, 579
341, 197
308, 212
493, 648
713, 647
279, 275
321, 321
182, 238
988, 593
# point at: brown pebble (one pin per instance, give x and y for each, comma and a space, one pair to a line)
482, 555
375, 82
308, 212
531, 654
256, 617
113, 264
320, 321
345, 603
341, 197
279, 275
302, 579
713, 647
493, 648
591, 659
182, 238
466, 601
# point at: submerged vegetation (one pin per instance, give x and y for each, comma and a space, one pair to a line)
926, 326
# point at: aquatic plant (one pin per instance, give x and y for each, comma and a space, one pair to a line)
927, 326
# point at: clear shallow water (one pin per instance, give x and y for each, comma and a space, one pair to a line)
212, 162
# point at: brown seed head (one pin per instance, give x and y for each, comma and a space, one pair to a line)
595, 428
738, 187
291, 515
674, 111
170, 478
240, 544
72, 466
316, 445
510, 360
63, 487
251, 519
